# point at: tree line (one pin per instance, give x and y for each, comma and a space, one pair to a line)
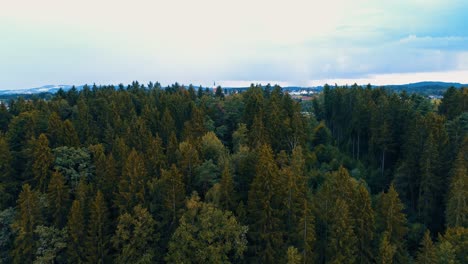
146, 174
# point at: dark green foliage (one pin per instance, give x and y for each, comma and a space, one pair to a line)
28, 217
265, 208
7, 217
58, 198
308, 186
135, 237
97, 241
214, 234
51, 244
77, 233
74, 164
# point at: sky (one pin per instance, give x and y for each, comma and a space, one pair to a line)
232, 43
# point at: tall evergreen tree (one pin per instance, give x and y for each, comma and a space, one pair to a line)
58, 196
341, 242
173, 192
426, 253
364, 225
7, 183
265, 208
457, 202
392, 220
133, 183
386, 250
70, 136
306, 233
227, 196
43, 159
293, 256
77, 233
28, 218
98, 231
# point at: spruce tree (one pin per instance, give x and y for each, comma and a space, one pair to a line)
70, 136
364, 224
42, 162
392, 220
7, 184
306, 233
77, 233
173, 193
98, 231
58, 196
426, 253
457, 202
132, 185
227, 196
28, 218
265, 208
293, 256
386, 250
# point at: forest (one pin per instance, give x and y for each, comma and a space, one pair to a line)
179, 174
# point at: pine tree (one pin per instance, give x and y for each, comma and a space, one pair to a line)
171, 150
336, 215
341, 244
43, 159
293, 256
58, 196
54, 130
386, 250
306, 233
173, 192
156, 160
111, 177
76, 230
265, 208
391, 219
7, 185
456, 240
426, 253
226, 185
457, 202
25, 224
428, 183
295, 193
188, 159
364, 224
121, 152
98, 233
133, 183
167, 127
446, 253
258, 136
70, 136
99, 162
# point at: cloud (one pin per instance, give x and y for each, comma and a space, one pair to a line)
105, 41
460, 76
430, 42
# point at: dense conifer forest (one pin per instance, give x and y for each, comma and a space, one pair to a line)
145, 174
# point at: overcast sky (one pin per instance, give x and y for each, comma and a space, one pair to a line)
293, 42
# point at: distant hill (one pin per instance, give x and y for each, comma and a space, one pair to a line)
432, 88
42, 89
429, 88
